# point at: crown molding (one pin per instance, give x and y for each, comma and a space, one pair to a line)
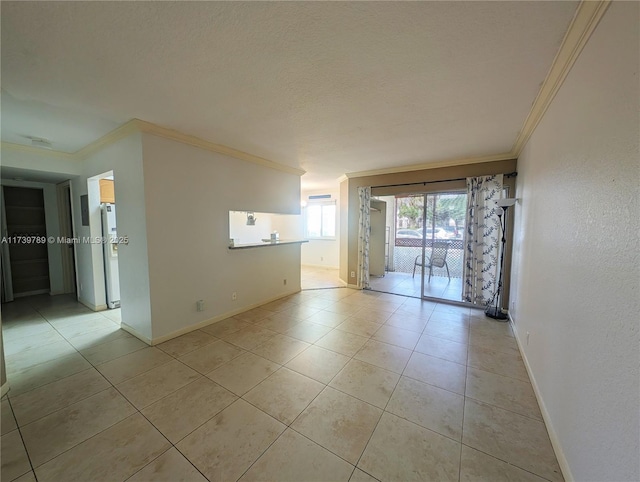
178, 136
342, 178
432, 165
125, 130
137, 125
38, 151
584, 22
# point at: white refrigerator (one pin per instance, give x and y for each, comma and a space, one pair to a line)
110, 245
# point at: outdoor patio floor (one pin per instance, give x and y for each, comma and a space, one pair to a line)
404, 284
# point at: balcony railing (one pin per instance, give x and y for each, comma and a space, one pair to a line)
406, 250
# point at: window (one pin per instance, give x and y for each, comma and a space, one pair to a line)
321, 220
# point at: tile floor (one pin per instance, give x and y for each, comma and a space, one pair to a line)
325, 385
313, 277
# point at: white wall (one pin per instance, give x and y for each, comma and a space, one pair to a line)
323, 252
124, 157
189, 193
575, 276
44, 161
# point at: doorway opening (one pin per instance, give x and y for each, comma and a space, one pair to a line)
425, 246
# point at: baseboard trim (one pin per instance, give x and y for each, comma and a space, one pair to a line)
91, 306
555, 441
4, 389
320, 266
353, 287
135, 333
215, 319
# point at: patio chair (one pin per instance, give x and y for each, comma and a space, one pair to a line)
438, 258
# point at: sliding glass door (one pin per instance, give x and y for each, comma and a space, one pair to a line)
441, 259
425, 245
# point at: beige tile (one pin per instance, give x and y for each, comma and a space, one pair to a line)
458, 319
277, 323
49, 398
250, 337
373, 316
25, 329
506, 344
441, 348
504, 392
65, 319
318, 363
98, 337
278, 305
401, 450
428, 406
360, 476
210, 357
308, 332
62, 430
158, 382
339, 422
243, 373
518, 440
124, 449
447, 308
280, 349
28, 477
448, 331
14, 457
8, 422
295, 458
186, 343
171, 466
129, 366
77, 329
114, 314
180, 413
500, 363
39, 375
342, 342
359, 327
284, 394
343, 307
327, 318
475, 466
397, 336
383, 355
407, 322
19, 344
489, 327
225, 327
114, 349
369, 383
305, 310
226, 446
254, 315
37, 355
436, 371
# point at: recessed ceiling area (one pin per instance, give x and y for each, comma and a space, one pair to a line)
328, 87
17, 174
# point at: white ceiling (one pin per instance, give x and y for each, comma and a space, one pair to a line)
330, 87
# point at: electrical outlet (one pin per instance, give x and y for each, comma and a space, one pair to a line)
234, 296
513, 305
200, 305
285, 282
321, 258
527, 337
353, 274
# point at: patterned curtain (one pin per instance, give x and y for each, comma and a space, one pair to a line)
364, 232
481, 263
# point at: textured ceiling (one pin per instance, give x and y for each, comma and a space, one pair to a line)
330, 87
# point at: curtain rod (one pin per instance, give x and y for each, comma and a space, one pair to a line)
424, 183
